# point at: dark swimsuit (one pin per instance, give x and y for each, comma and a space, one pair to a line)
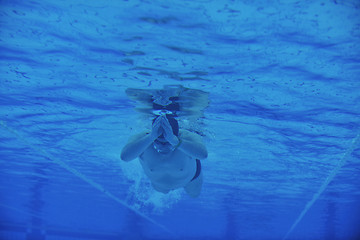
198, 170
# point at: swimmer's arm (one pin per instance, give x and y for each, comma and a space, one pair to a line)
136, 146
192, 145
139, 143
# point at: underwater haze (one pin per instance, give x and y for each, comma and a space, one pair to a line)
282, 127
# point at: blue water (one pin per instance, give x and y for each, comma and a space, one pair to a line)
282, 128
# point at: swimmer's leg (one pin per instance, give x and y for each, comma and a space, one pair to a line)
193, 188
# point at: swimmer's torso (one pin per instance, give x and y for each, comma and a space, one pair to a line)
167, 171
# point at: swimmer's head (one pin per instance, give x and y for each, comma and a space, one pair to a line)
174, 124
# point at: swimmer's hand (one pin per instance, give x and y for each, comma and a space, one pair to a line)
168, 132
157, 129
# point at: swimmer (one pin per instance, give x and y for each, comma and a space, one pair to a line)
170, 157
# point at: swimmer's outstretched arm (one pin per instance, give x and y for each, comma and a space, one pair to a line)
191, 144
